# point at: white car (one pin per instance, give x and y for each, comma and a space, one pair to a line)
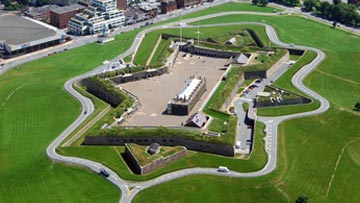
223, 169
237, 144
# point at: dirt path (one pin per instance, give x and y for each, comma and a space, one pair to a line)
337, 77
87, 127
13, 92
337, 164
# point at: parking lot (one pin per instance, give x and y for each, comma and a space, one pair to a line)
155, 93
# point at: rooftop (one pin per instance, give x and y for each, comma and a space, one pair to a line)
67, 9
16, 30
188, 89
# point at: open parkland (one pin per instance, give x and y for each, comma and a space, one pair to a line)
318, 156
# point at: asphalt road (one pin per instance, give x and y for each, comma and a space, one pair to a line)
271, 123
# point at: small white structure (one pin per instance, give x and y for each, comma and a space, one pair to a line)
103, 40
231, 41
196, 120
263, 94
241, 59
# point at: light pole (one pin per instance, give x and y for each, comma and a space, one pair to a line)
198, 35
180, 28
353, 22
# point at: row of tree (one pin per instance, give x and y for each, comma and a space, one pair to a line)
287, 2
338, 11
260, 2
20, 4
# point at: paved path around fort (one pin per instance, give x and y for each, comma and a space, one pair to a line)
271, 122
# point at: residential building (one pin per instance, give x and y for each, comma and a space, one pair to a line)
40, 13
188, 3
64, 2
122, 5
59, 17
93, 19
168, 6
149, 9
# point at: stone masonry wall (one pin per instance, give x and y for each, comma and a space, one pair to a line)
197, 145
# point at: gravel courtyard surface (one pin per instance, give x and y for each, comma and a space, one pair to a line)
154, 93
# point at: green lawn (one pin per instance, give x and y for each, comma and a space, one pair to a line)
162, 52
110, 156
150, 39
34, 110
308, 147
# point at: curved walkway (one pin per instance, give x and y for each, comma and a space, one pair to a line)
271, 122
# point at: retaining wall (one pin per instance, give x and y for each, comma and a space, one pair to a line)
301, 100
207, 52
277, 65
233, 93
139, 75
197, 145
159, 163
283, 102
101, 93
266, 73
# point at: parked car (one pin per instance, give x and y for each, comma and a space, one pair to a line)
103, 172
223, 169
237, 144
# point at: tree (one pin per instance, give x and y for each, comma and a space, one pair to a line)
309, 5
336, 2
263, 2
324, 9
357, 106
255, 2
302, 199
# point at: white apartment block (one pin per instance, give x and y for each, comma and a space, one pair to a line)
93, 19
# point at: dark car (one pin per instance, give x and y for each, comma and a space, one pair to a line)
103, 172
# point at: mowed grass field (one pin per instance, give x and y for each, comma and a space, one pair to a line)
150, 39
34, 109
318, 155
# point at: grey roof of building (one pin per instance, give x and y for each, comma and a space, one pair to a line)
241, 59
16, 30
153, 148
198, 119
67, 9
